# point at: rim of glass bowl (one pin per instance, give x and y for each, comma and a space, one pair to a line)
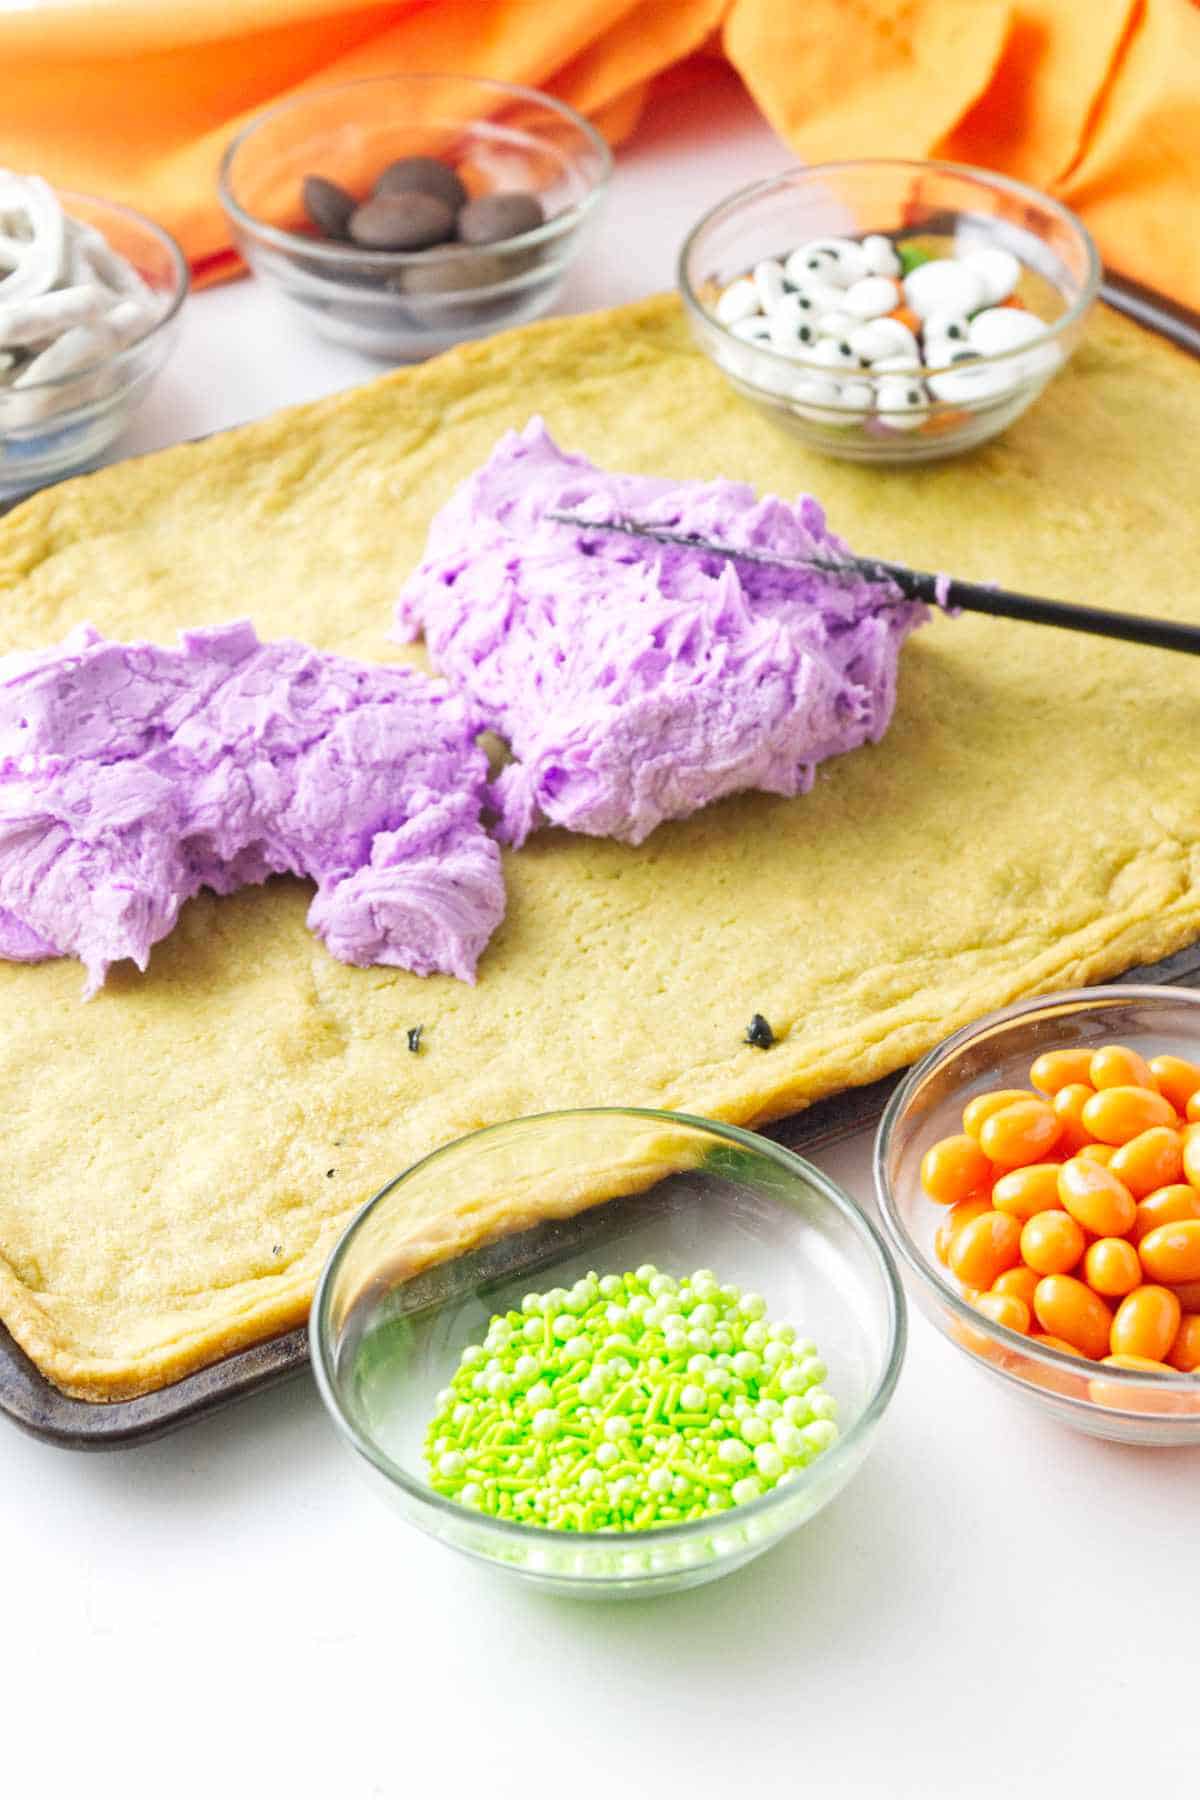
535, 1535
334, 253
908, 1248
115, 358
982, 178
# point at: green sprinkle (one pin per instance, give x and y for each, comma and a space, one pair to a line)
911, 257
629, 1402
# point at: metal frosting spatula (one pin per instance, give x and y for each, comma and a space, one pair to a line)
934, 590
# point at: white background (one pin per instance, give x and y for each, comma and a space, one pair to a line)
994, 1607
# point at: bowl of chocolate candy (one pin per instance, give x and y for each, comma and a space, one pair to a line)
405, 213
889, 311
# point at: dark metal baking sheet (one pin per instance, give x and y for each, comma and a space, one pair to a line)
33, 1403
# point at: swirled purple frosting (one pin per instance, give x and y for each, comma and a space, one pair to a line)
132, 776
636, 682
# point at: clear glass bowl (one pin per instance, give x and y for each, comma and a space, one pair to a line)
1129, 1406
55, 428
516, 1206
941, 207
405, 306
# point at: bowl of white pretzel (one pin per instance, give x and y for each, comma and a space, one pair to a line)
90, 293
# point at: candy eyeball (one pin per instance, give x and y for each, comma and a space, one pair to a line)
871, 297
839, 261
816, 397
879, 254
836, 324
941, 286
835, 353
857, 401
997, 269
755, 330
947, 330
969, 380
738, 301
899, 364
792, 332
769, 285
901, 401
1002, 328
883, 337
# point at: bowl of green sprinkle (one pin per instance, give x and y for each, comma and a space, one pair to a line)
615, 1352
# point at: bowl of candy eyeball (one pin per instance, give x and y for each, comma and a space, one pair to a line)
90, 294
405, 213
1039, 1176
889, 311
619, 1399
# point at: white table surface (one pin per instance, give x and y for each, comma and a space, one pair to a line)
994, 1607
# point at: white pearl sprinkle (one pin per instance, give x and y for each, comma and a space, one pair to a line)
769, 1461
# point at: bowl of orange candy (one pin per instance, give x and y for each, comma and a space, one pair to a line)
1039, 1176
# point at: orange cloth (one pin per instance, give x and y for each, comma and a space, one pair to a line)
1097, 101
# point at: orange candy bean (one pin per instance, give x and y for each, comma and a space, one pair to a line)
1151, 1160
1004, 1309
1116, 1066
1116, 1114
976, 1111
1126, 1359
1095, 1198
1023, 1192
1098, 1153
1054, 1343
1188, 1294
1051, 1243
952, 1224
985, 1247
1191, 1154
1067, 1309
1185, 1351
1177, 1079
1171, 1253
1057, 1069
955, 1167
1145, 1323
1020, 1133
1111, 1267
1123, 1397
1165, 1206
1068, 1105
1017, 1282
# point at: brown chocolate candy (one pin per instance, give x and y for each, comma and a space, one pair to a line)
423, 175
494, 217
453, 271
404, 221
328, 206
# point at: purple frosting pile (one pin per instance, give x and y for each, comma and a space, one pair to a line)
636, 682
132, 776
